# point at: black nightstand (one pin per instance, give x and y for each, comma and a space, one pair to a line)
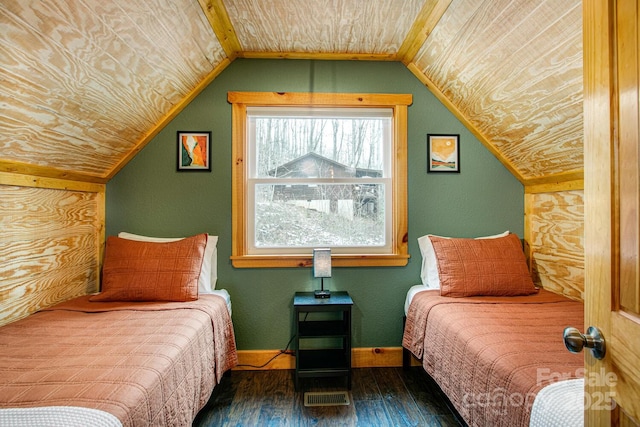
323, 336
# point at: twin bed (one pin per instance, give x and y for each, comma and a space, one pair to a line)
152, 345
490, 339
147, 350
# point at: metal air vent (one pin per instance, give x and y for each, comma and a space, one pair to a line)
329, 398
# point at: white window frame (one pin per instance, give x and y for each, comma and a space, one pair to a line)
395, 251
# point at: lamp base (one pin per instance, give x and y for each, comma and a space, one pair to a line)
322, 294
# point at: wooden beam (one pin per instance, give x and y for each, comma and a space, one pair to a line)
219, 20
23, 180
557, 179
427, 19
171, 114
101, 235
320, 56
465, 121
29, 170
555, 186
319, 98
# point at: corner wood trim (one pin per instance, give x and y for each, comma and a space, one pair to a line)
361, 357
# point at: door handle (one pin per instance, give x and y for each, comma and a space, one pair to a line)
593, 340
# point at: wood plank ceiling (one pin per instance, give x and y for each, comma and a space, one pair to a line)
85, 84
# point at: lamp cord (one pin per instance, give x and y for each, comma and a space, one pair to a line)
284, 351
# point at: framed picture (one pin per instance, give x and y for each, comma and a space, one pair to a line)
194, 151
443, 153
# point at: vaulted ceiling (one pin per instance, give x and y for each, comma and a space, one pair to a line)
85, 84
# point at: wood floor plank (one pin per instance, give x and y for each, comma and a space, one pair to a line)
247, 401
379, 397
364, 385
278, 399
399, 402
372, 412
428, 396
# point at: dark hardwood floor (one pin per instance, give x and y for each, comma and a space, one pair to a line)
379, 397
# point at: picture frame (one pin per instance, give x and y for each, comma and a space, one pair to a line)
443, 153
194, 151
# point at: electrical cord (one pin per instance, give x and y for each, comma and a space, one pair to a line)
277, 355
274, 357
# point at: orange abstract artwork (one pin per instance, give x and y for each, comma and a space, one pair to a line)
196, 149
193, 151
443, 153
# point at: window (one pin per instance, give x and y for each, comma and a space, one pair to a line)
319, 170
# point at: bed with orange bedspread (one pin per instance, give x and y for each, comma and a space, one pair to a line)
144, 363
492, 355
489, 338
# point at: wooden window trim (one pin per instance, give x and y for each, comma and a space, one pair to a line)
397, 102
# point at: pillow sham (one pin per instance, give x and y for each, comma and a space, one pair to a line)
209, 272
151, 271
429, 271
482, 267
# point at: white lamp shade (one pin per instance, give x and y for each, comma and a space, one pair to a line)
322, 262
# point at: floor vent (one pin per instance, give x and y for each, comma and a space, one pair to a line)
328, 398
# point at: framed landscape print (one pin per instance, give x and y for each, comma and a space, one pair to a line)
194, 151
443, 153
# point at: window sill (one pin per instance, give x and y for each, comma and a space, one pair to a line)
283, 261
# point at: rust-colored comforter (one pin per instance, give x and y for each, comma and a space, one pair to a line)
491, 355
149, 364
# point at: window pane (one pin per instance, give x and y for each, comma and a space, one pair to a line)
302, 215
311, 147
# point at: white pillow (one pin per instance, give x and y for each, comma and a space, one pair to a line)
208, 272
429, 272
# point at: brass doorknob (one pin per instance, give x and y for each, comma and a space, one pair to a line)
593, 340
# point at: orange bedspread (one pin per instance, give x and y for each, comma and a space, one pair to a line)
491, 355
146, 363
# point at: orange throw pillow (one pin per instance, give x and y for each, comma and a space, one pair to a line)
492, 267
150, 271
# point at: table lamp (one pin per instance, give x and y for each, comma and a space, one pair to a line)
322, 269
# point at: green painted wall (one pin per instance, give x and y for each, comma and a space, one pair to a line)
149, 197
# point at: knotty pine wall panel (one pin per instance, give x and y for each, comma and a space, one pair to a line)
555, 237
50, 247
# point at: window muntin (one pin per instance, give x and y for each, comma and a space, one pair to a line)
388, 183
